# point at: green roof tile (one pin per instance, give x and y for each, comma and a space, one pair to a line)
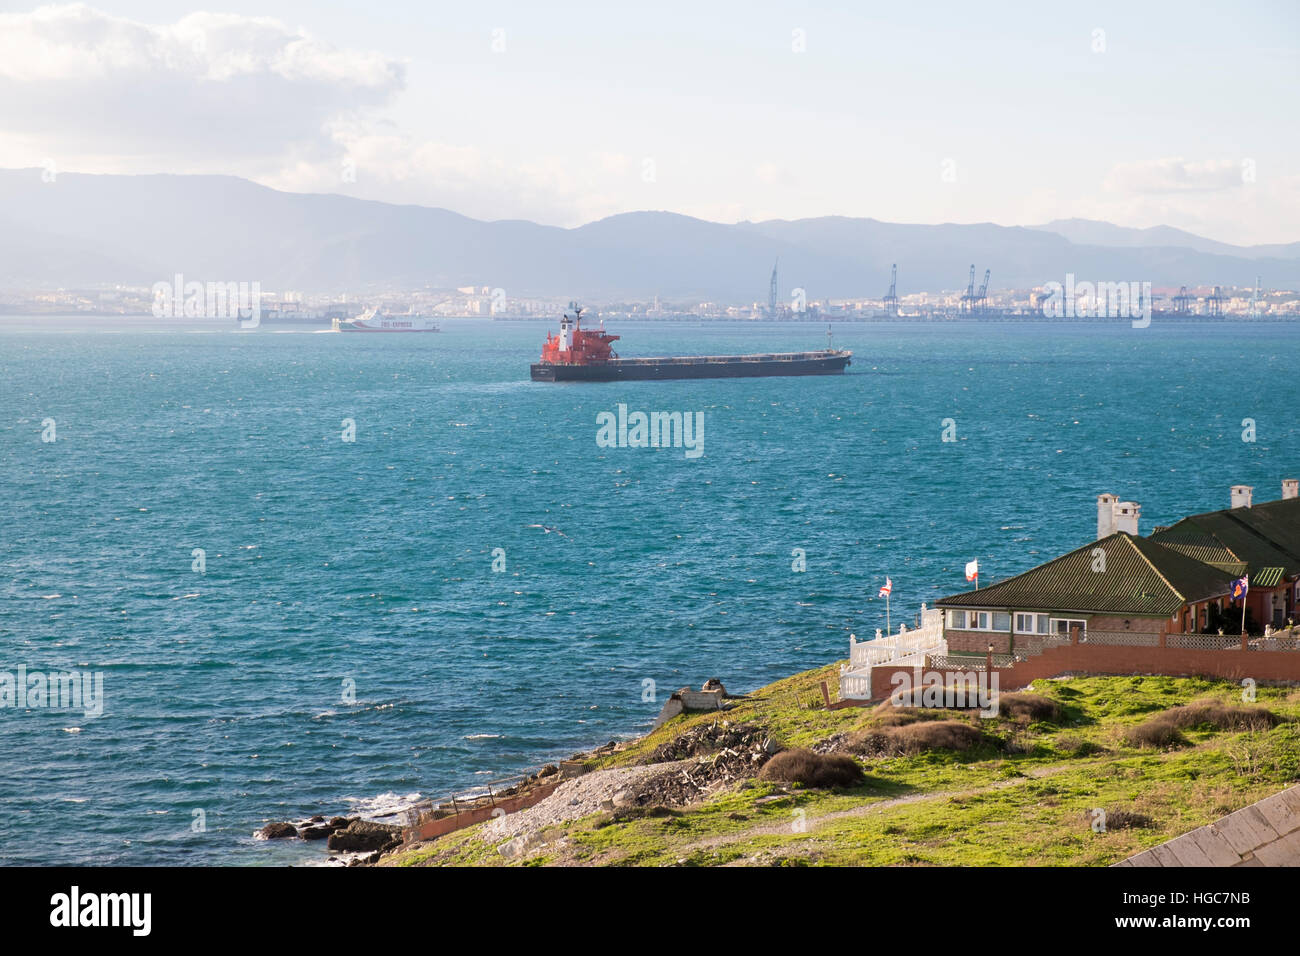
1140, 577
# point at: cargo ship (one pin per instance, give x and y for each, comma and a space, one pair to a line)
581, 355
373, 321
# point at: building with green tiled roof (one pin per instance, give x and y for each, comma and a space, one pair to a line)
1177, 580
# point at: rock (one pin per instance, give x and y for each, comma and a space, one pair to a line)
317, 819
277, 831
549, 770
338, 823
315, 833
624, 799
365, 836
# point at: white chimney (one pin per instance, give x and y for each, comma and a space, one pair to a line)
1241, 495
1290, 488
1126, 516
1105, 515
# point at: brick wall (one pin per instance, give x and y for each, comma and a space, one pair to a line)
977, 642
1146, 625
1262, 666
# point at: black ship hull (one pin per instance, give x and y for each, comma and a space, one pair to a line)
704, 366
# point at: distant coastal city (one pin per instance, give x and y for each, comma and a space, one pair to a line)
974, 303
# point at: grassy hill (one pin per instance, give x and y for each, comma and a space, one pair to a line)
1159, 755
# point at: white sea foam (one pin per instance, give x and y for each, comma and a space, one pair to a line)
383, 806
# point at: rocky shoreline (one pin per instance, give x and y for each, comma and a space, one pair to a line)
362, 841
679, 775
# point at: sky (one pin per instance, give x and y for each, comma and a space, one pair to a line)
1137, 113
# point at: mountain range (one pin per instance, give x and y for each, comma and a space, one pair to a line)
83, 231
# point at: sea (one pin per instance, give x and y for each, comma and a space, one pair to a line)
341, 574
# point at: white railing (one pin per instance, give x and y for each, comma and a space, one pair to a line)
856, 686
885, 650
903, 647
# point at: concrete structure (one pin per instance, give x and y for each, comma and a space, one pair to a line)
1241, 496
710, 697
1264, 834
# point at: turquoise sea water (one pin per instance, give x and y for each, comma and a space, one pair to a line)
368, 564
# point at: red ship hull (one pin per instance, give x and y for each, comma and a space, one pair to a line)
579, 355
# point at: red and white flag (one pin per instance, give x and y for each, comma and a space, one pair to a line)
886, 588
972, 570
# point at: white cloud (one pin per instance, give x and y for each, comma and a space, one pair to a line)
210, 87
1178, 176
1211, 198
250, 96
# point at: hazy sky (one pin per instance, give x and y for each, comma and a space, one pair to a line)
562, 112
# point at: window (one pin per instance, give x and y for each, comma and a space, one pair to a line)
980, 620
1062, 626
1032, 624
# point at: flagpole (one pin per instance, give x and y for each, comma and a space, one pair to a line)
888, 629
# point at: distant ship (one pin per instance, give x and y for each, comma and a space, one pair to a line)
577, 355
372, 321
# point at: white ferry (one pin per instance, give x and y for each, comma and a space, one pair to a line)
372, 321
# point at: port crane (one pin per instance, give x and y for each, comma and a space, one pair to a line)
1214, 301
891, 300
982, 296
968, 297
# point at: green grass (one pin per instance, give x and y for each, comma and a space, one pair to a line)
1025, 796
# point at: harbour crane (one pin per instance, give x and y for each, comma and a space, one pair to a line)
891, 300
968, 297
982, 296
1214, 301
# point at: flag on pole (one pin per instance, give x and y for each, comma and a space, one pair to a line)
1240, 587
972, 570
886, 588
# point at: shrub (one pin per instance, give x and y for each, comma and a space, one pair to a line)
1121, 819
1220, 716
812, 769
1155, 733
897, 717
1163, 730
916, 737
1077, 746
1031, 706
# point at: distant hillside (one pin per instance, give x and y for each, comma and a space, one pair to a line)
1092, 232
85, 230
